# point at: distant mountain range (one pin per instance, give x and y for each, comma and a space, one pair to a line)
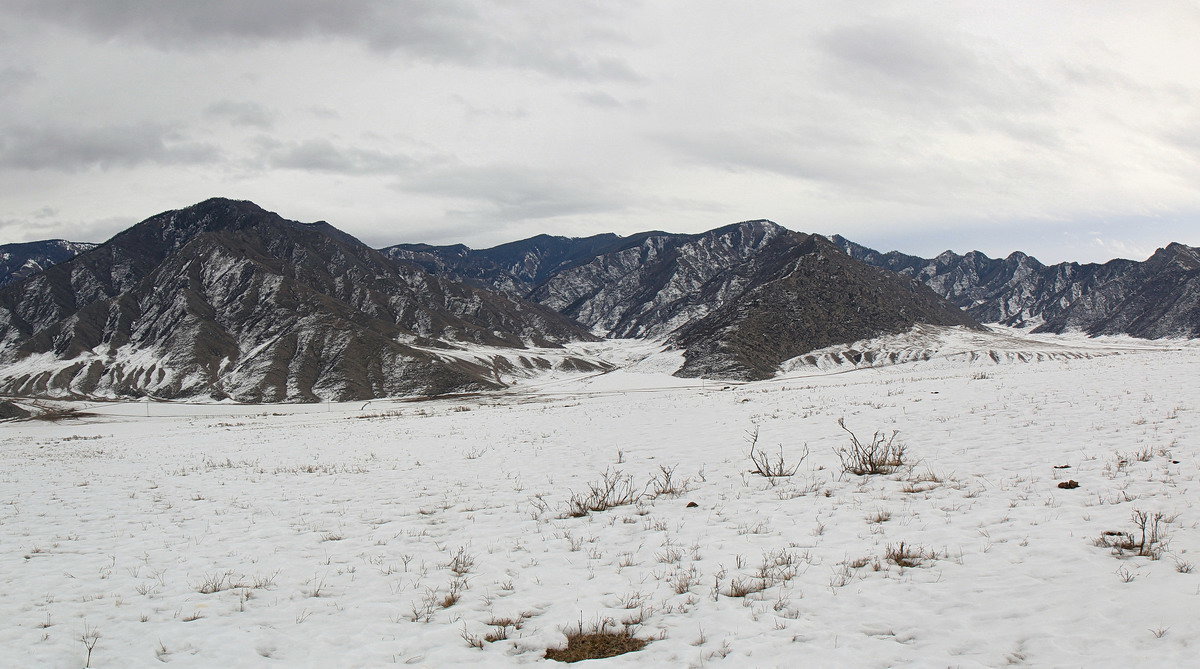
18, 261
739, 300
224, 299
1152, 299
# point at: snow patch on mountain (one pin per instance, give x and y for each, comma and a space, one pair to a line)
957, 345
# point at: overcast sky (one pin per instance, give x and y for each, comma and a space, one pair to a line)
1070, 130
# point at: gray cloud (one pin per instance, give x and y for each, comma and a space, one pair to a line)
57, 147
513, 192
815, 154
603, 100
323, 112
13, 79
38, 228
322, 155
244, 113
535, 37
904, 66
484, 119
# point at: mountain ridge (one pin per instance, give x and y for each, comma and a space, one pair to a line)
1155, 298
239, 302
227, 299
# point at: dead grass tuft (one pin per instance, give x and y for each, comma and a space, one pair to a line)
601, 640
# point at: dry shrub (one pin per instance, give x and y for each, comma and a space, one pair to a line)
602, 639
744, 587
664, 483
882, 455
907, 555
613, 489
771, 467
1148, 541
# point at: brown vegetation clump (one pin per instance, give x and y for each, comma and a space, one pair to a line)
595, 643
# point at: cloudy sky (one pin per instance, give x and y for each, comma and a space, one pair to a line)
1070, 130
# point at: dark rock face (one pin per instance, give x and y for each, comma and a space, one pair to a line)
9, 411
643, 285
802, 293
739, 299
656, 282
515, 267
1159, 297
18, 261
226, 299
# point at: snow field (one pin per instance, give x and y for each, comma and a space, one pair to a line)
397, 532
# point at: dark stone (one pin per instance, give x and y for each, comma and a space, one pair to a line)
1068, 485
691, 505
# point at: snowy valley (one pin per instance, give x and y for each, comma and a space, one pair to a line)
458, 531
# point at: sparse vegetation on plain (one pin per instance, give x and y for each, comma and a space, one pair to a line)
454, 538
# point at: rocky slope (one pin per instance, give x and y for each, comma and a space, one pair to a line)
1159, 297
643, 285
802, 293
516, 267
18, 261
228, 300
738, 299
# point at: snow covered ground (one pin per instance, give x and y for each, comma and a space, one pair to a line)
368, 534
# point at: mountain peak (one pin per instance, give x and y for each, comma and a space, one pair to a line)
1186, 256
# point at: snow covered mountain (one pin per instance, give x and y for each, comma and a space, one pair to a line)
516, 267
798, 294
228, 300
18, 261
739, 299
1159, 297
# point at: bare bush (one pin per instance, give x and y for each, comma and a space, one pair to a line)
880, 516
683, 580
881, 455
744, 587
503, 625
664, 483
1146, 541
218, 582
613, 489
461, 562
779, 566
907, 555
765, 465
473, 640
89, 639
453, 594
